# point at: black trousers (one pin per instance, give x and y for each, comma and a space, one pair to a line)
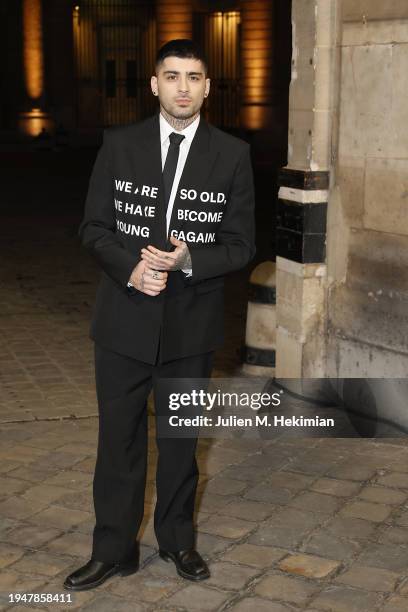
123, 385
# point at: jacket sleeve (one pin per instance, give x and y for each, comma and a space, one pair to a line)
235, 239
97, 230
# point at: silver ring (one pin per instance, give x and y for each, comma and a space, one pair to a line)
155, 274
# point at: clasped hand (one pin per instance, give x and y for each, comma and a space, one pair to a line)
168, 260
150, 274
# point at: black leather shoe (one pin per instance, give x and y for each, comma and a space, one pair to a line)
94, 573
189, 563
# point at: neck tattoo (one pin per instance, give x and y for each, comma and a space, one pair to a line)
178, 124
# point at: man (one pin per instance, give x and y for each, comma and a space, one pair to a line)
168, 213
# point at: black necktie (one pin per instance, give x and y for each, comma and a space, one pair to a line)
170, 165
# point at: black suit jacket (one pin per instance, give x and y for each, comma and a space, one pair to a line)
124, 211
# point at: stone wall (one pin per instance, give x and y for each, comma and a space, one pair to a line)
367, 241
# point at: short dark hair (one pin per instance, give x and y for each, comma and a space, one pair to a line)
184, 48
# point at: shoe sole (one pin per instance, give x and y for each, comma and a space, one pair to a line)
181, 573
113, 572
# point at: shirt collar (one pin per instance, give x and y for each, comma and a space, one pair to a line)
166, 129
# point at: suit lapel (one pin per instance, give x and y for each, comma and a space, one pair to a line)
149, 166
200, 161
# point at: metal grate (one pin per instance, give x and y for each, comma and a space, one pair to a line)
115, 45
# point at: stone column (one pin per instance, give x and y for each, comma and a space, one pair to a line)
303, 190
256, 64
174, 19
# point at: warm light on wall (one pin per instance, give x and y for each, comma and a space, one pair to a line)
33, 122
174, 20
33, 48
257, 70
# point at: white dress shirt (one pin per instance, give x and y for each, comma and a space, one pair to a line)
165, 130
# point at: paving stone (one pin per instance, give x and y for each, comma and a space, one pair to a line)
70, 479
10, 485
211, 502
32, 536
352, 528
12, 581
61, 518
225, 486
345, 599
367, 511
338, 488
21, 453
44, 493
159, 568
402, 519
369, 578
391, 557
325, 544
144, 586
41, 563
16, 608
74, 544
57, 460
79, 449
315, 462
231, 577
382, 495
258, 556
394, 535
309, 566
264, 492
394, 479
9, 554
32, 474
20, 508
6, 525
352, 471
246, 472
265, 460
197, 597
249, 604
108, 603
210, 545
285, 528
6, 465
86, 465
79, 500
290, 480
315, 502
227, 527
396, 604
283, 588
247, 510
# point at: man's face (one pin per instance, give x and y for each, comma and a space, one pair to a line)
181, 86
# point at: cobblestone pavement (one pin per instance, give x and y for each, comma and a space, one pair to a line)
285, 524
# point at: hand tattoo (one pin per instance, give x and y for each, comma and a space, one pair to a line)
183, 259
